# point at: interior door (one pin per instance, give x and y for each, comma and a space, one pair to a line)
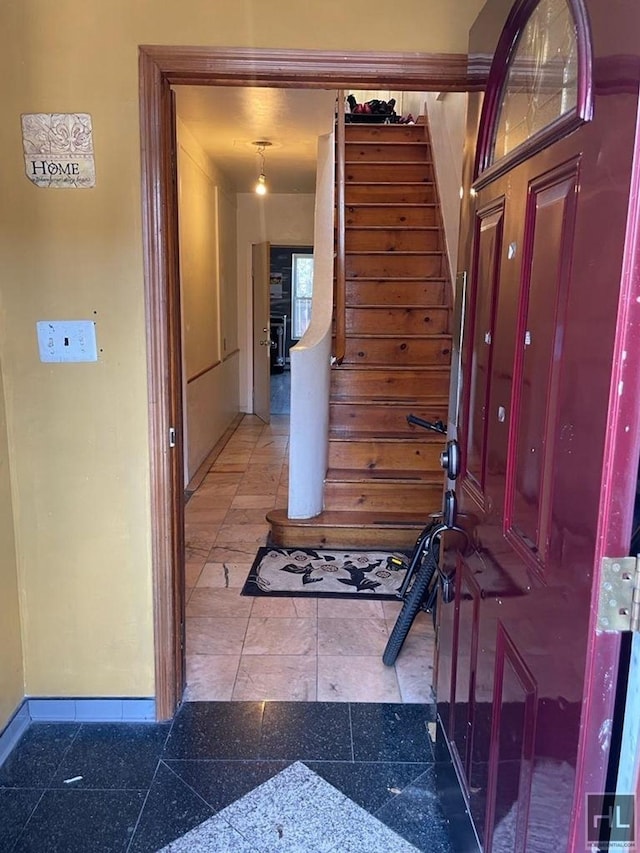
261, 331
549, 427
176, 438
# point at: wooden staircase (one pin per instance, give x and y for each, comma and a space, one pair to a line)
384, 476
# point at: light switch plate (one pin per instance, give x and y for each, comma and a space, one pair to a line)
67, 340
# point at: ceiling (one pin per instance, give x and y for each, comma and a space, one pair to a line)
226, 120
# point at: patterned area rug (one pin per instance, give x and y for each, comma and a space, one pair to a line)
324, 574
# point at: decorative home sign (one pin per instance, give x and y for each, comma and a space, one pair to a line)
58, 149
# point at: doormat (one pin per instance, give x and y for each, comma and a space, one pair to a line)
323, 574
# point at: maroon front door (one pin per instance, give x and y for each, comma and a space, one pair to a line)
549, 425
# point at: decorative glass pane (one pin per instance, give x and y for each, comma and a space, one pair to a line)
542, 81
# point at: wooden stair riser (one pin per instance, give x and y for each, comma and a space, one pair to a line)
384, 133
395, 293
364, 152
380, 419
393, 240
399, 216
311, 534
389, 383
382, 497
404, 321
341, 538
394, 265
389, 194
386, 456
402, 352
389, 172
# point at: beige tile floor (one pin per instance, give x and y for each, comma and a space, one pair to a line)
242, 648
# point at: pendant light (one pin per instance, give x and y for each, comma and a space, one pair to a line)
261, 184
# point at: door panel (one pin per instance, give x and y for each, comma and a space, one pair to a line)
514, 720
467, 611
176, 415
549, 230
489, 245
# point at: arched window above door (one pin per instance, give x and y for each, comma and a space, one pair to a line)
540, 83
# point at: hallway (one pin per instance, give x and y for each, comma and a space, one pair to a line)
296, 649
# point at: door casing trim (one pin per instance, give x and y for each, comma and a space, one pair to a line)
160, 67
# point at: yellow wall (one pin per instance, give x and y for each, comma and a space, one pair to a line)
197, 204
78, 433
11, 664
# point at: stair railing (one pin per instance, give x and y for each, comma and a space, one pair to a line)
340, 294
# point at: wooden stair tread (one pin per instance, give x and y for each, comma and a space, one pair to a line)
427, 183
392, 337
393, 228
423, 368
390, 163
393, 436
385, 142
435, 306
396, 252
422, 437
368, 476
391, 400
392, 278
384, 204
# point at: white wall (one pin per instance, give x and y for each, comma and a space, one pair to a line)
212, 404
447, 114
310, 357
283, 220
209, 295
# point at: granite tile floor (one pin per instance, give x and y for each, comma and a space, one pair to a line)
295, 649
300, 777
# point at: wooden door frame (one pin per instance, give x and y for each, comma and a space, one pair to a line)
160, 67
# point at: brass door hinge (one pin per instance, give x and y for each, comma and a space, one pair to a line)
619, 605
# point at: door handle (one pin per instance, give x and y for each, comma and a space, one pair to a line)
450, 459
